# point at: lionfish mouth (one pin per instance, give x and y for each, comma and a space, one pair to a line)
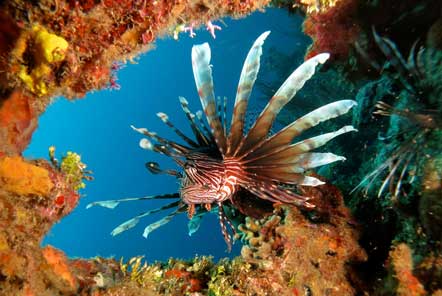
220, 161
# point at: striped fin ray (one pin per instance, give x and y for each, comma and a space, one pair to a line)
297, 163
284, 137
246, 81
165, 118
175, 146
288, 173
292, 153
134, 221
285, 93
274, 193
225, 115
200, 137
111, 204
163, 149
154, 168
199, 116
204, 83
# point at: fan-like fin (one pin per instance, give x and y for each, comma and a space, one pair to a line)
273, 193
295, 164
285, 93
162, 221
292, 153
246, 81
203, 78
134, 221
164, 118
111, 204
287, 134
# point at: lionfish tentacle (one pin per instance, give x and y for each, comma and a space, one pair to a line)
246, 81
164, 118
287, 134
203, 78
151, 227
285, 93
111, 204
201, 138
134, 221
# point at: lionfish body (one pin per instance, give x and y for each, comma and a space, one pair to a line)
222, 162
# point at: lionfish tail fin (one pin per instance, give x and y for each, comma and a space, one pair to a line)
285, 93
204, 83
246, 81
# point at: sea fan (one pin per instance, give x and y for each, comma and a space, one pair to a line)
220, 164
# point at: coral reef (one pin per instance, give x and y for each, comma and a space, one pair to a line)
72, 47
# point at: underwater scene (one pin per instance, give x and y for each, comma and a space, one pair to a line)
235, 147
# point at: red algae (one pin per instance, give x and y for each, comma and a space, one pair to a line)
333, 30
18, 120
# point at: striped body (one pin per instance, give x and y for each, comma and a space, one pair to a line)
208, 180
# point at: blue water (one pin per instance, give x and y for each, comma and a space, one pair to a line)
98, 128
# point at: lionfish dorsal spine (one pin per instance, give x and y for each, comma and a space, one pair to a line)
199, 134
165, 118
247, 79
204, 83
283, 95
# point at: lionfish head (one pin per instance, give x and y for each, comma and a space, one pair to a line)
221, 161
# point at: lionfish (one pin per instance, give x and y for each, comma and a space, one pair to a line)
220, 163
418, 115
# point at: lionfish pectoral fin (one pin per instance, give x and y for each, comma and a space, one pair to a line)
153, 226
134, 221
285, 136
111, 204
224, 221
285, 93
246, 81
